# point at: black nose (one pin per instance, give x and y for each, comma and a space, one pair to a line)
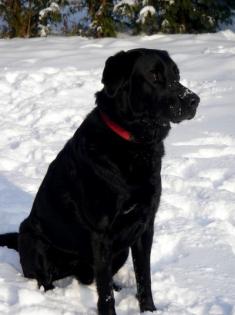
194, 101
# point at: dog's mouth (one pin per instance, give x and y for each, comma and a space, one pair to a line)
192, 114
183, 116
183, 106
183, 110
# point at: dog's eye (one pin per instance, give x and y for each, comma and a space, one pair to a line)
157, 77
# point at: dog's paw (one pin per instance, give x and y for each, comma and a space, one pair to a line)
147, 305
106, 310
45, 286
106, 307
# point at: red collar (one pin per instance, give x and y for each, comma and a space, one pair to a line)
126, 135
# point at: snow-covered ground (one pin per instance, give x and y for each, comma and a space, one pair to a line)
46, 89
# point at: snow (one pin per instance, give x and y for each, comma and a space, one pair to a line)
120, 3
47, 87
145, 12
54, 7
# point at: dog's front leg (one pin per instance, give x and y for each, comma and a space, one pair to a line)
103, 274
141, 251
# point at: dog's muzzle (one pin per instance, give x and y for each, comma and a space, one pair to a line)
186, 104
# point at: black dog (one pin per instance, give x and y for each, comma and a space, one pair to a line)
101, 193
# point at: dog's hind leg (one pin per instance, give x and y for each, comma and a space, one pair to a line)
35, 260
84, 273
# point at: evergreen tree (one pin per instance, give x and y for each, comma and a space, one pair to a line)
102, 18
186, 16
48, 15
175, 16
148, 19
126, 14
102, 24
24, 17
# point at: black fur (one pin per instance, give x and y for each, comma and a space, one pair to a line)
101, 193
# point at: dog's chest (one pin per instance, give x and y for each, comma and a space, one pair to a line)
129, 209
129, 225
136, 208
134, 214
137, 167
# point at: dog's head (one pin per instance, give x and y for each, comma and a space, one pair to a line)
144, 84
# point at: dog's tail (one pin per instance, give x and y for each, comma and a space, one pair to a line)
10, 240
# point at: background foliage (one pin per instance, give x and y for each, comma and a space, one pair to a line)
104, 18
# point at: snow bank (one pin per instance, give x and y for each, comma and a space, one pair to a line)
47, 87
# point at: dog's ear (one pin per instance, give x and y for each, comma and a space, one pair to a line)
117, 71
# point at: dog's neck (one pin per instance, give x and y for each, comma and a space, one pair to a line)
141, 130
121, 132
157, 134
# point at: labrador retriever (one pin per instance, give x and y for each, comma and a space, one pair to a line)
100, 195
